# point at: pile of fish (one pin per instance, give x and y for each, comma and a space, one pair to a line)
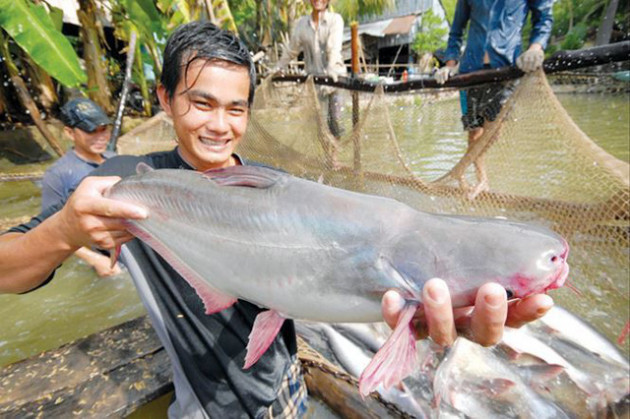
304, 250
556, 367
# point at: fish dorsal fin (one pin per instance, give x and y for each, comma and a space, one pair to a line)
251, 176
142, 168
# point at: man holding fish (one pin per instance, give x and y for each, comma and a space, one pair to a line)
207, 88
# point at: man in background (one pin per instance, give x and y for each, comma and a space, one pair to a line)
89, 129
319, 36
494, 40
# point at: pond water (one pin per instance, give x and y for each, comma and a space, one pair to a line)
78, 303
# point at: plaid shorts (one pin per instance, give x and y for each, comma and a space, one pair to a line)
291, 401
483, 103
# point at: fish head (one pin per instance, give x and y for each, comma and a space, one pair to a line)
524, 258
468, 252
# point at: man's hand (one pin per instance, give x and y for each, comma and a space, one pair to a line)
90, 219
444, 73
482, 323
532, 59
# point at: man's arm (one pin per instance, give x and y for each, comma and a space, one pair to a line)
334, 44
291, 51
88, 218
542, 20
456, 34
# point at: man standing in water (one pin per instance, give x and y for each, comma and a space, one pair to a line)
494, 40
319, 36
207, 87
89, 129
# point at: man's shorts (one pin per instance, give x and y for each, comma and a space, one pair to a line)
483, 103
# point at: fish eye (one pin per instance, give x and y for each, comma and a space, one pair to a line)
509, 293
554, 258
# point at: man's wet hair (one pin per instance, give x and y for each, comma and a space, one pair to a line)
202, 40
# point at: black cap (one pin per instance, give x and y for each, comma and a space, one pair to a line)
84, 114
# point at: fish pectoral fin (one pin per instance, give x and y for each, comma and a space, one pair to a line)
213, 300
396, 359
266, 326
251, 176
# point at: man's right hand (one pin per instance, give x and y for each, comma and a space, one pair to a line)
444, 73
91, 219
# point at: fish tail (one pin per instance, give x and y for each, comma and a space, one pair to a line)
396, 359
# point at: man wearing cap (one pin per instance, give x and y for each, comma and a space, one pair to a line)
89, 128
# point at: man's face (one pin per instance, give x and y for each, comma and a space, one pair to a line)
90, 145
319, 5
210, 117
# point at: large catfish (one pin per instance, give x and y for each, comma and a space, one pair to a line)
309, 251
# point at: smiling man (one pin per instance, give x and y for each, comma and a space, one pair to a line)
207, 87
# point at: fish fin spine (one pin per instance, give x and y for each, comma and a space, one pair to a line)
396, 359
251, 176
266, 326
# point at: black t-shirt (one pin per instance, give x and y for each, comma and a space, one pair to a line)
208, 349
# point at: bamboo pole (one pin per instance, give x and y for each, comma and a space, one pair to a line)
356, 139
560, 61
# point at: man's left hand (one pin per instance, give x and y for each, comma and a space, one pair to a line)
532, 59
483, 323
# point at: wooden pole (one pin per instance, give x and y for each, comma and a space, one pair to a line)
356, 138
131, 51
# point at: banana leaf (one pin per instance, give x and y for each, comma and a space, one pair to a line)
33, 30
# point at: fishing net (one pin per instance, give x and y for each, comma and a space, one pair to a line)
541, 168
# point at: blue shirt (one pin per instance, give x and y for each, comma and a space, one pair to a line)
63, 177
495, 28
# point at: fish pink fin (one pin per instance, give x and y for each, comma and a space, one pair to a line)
395, 360
252, 176
266, 327
213, 300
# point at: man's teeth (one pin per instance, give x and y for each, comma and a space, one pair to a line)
207, 141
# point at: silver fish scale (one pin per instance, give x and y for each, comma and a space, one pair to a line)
300, 262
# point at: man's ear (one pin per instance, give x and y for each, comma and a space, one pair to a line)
69, 132
165, 102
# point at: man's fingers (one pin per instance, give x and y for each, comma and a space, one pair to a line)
488, 318
115, 209
391, 304
439, 312
528, 309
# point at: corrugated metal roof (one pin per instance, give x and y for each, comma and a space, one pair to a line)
400, 25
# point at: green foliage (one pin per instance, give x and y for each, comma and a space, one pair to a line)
575, 38
431, 35
353, 9
33, 30
449, 8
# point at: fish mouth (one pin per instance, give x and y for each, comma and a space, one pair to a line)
562, 273
560, 277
